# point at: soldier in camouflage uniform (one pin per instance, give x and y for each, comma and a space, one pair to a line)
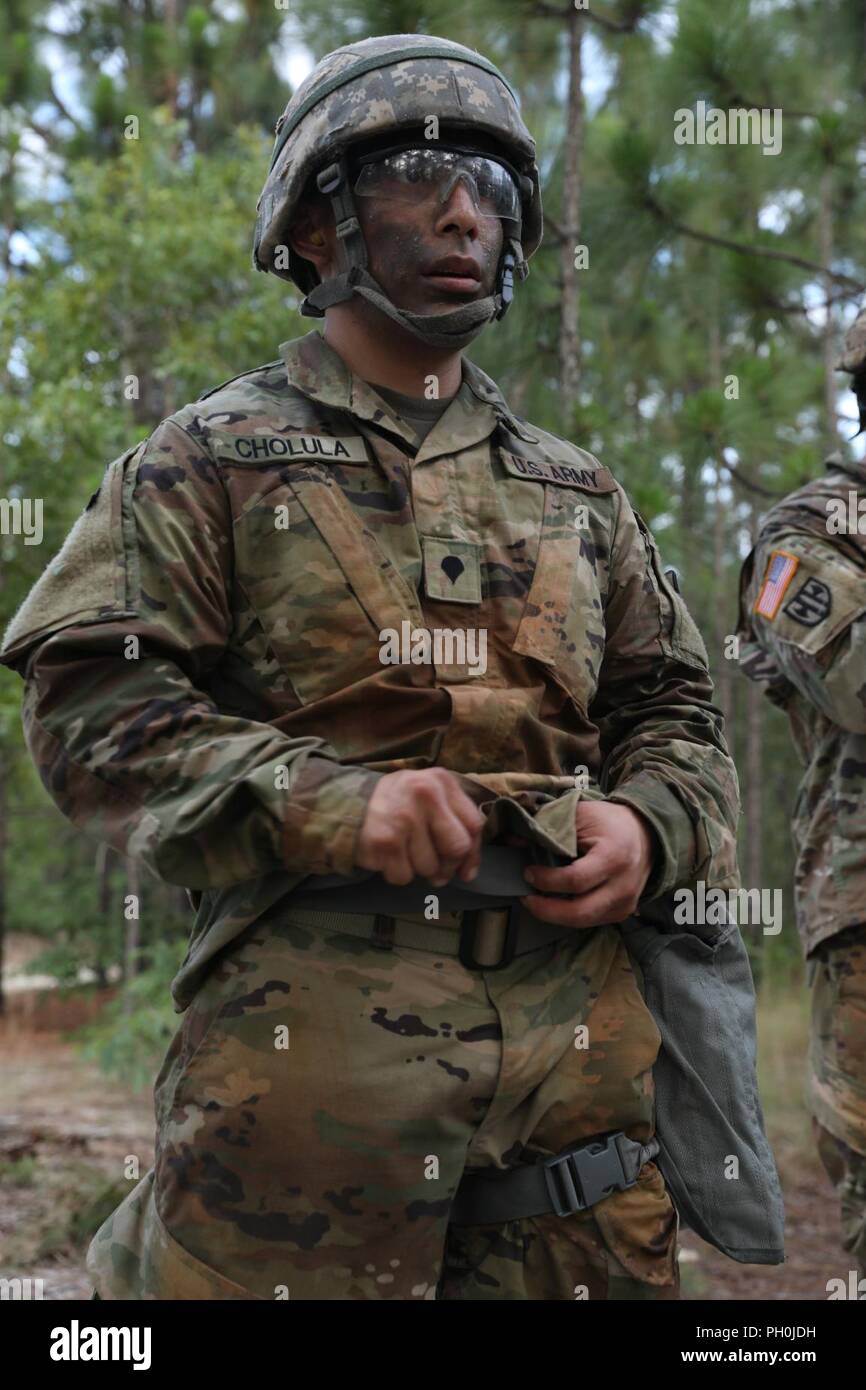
205, 690
803, 638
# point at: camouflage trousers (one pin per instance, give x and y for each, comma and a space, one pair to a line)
837, 1075
323, 1096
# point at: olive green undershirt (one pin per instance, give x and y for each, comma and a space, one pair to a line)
417, 411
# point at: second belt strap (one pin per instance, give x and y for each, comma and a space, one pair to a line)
441, 936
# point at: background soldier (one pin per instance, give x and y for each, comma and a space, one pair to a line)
803, 637
206, 691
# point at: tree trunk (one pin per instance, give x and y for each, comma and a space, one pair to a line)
754, 773
8, 212
171, 76
103, 874
132, 932
825, 235
720, 664
569, 318
3, 837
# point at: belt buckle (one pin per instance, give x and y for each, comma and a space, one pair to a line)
579, 1178
468, 928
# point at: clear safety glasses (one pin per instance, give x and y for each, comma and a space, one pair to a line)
413, 175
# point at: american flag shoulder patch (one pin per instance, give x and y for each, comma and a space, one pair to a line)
781, 569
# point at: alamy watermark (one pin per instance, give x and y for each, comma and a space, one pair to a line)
739, 125
714, 907
439, 646
22, 516
854, 1289
23, 1289
846, 518
77, 1343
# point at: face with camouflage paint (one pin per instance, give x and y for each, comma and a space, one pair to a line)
429, 256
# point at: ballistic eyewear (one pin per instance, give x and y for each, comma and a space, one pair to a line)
407, 174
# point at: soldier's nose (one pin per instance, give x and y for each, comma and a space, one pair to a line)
458, 212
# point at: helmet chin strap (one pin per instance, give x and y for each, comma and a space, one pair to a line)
453, 329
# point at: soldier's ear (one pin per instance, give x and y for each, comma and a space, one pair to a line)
858, 386
312, 235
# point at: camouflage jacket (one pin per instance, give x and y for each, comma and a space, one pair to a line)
802, 630
205, 687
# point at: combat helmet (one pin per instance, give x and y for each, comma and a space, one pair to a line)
356, 95
853, 357
853, 360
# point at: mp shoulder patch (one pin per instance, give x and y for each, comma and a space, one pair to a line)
781, 568
812, 603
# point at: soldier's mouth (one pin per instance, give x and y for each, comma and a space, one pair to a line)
458, 284
455, 274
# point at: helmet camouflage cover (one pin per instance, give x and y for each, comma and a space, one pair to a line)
853, 357
853, 360
383, 86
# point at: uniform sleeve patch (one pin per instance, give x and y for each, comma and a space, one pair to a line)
811, 604
781, 569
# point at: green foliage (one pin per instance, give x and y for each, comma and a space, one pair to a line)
85, 331
18, 1172
130, 1037
96, 1203
67, 1199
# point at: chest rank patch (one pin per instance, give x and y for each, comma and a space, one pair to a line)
564, 474
811, 604
781, 569
452, 570
268, 448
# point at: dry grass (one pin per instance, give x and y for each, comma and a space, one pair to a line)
783, 1043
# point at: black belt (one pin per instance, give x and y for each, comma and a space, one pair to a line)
498, 887
483, 939
498, 883
568, 1182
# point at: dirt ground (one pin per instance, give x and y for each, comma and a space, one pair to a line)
812, 1244
66, 1137
69, 1139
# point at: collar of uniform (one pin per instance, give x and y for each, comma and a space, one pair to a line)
315, 368
836, 462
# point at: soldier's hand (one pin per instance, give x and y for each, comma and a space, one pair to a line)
617, 848
421, 825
